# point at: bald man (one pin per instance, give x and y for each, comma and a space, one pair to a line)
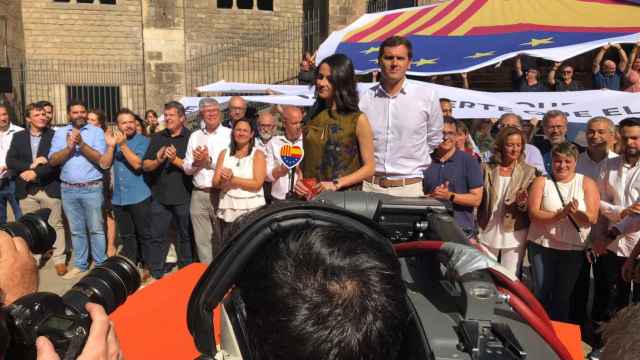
609, 76
277, 173
237, 109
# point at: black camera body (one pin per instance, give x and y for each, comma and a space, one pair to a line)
62, 319
45, 314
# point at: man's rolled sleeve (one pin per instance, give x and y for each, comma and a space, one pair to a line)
58, 142
434, 125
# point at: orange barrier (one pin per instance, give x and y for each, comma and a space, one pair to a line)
152, 324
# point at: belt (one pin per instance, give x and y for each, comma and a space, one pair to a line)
207, 190
82, 185
385, 182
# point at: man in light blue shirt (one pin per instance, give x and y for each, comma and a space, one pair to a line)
77, 148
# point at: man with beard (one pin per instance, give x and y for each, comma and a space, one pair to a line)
554, 126
131, 197
592, 163
77, 148
619, 203
204, 146
266, 130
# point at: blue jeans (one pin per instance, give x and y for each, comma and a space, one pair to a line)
555, 273
8, 193
83, 207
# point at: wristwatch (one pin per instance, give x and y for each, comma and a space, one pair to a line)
452, 196
336, 183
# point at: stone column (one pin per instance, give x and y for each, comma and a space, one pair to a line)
164, 51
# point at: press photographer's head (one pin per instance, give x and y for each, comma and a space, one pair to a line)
325, 293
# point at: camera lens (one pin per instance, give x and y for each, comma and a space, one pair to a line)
34, 229
108, 285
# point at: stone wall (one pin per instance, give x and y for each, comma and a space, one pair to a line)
12, 50
164, 51
69, 30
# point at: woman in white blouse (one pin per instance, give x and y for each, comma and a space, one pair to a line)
561, 213
502, 215
240, 173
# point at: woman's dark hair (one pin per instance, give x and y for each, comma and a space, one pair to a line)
343, 80
233, 147
146, 113
102, 118
501, 140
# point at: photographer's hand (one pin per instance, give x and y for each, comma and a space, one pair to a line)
102, 343
18, 270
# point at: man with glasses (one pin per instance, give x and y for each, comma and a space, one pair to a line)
455, 176
203, 147
266, 130
554, 127
237, 110
566, 82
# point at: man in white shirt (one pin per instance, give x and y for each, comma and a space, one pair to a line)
406, 120
592, 163
7, 185
266, 130
277, 173
203, 148
621, 192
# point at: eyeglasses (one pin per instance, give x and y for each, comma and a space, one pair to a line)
567, 72
447, 134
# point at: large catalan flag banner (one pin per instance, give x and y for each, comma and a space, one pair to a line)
464, 35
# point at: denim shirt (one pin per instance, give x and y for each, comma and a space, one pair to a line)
129, 186
78, 169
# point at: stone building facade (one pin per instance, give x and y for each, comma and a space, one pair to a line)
134, 51
141, 53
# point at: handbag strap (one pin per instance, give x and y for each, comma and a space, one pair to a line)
563, 204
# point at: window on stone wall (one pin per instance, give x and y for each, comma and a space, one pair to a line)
103, 2
105, 98
265, 5
244, 4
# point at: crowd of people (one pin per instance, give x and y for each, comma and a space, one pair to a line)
565, 208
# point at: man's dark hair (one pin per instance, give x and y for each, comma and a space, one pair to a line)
150, 112
629, 122
126, 111
393, 42
325, 294
44, 103
75, 102
450, 120
447, 100
343, 80
175, 105
31, 107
